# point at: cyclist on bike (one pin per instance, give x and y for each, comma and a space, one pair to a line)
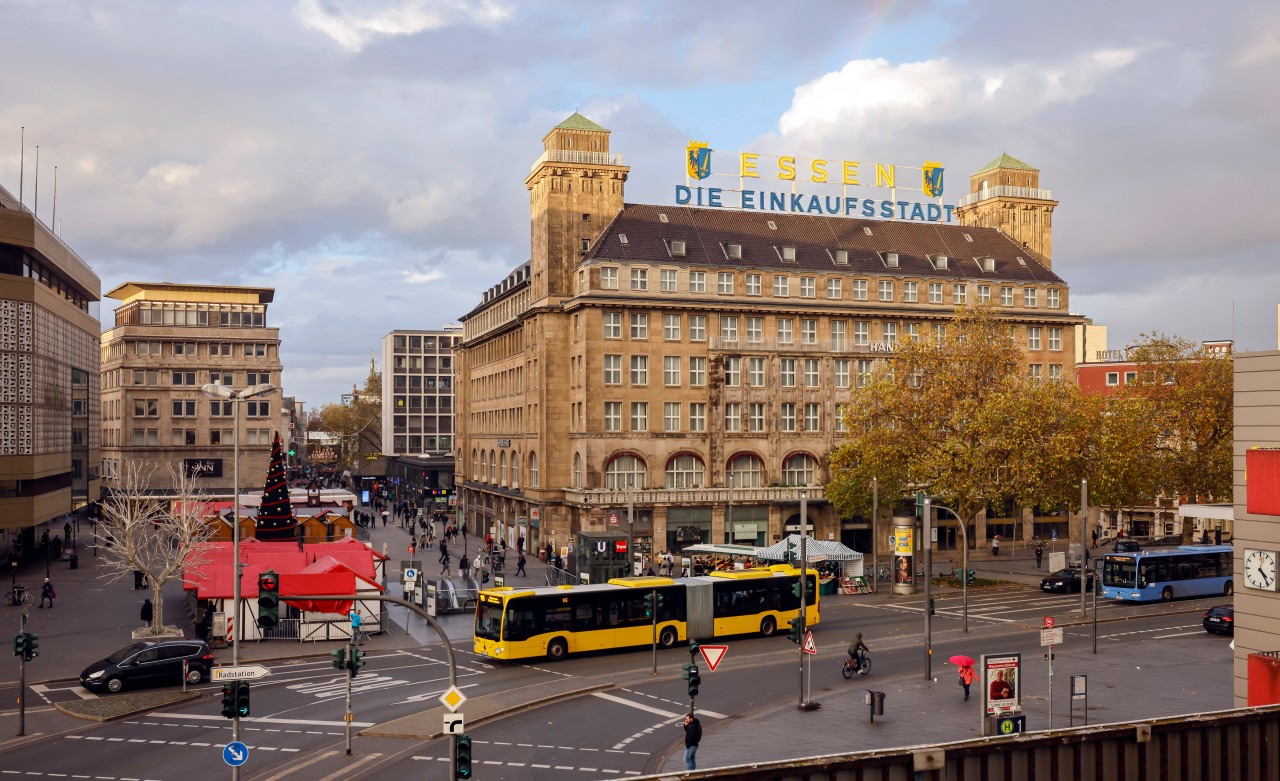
856, 647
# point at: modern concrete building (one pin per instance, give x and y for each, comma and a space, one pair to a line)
693, 361
48, 376
168, 341
418, 409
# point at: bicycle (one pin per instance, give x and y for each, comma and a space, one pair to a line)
19, 595
862, 666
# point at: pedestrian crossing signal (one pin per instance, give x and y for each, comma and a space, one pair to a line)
339, 659
795, 634
694, 677
970, 576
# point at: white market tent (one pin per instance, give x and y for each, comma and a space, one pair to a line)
816, 550
721, 550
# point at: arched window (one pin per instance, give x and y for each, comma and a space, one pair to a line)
484, 473
533, 469
493, 467
746, 471
515, 470
502, 468
685, 471
625, 471
799, 469
577, 470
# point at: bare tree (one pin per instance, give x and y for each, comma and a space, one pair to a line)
157, 537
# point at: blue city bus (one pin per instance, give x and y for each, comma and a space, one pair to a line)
1185, 571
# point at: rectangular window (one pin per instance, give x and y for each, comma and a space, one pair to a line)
671, 328
1006, 296
935, 292
258, 409
671, 416
146, 408
913, 331
808, 287
834, 288
939, 331
755, 418
886, 290
639, 370
840, 427
613, 325
639, 416
809, 331
1113, 379
1053, 298
842, 372
984, 294
811, 372
609, 278
1055, 338
732, 370
755, 371
859, 290
733, 417
863, 370
890, 334
639, 279
697, 372
753, 284
787, 372
698, 328
861, 333
220, 409
613, 370
724, 283
697, 416
258, 378
184, 409
728, 328
639, 325
839, 334
667, 280
811, 417
755, 329
787, 417
1035, 371
957, 294
1055, 371
185, 378
782, 286
697, 281
1029, 296
910, 292
613, 416
1033, 337
671, 370
1130, 377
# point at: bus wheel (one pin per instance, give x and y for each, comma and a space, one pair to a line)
557, 649
768, 626
1227, 589
667, 637
1167, 594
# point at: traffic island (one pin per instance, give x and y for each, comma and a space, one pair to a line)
118, 706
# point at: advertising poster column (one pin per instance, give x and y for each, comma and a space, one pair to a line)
904, 555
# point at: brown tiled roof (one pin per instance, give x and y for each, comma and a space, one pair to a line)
815, 239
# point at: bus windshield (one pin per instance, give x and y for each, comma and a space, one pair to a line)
1119, 571
488, 620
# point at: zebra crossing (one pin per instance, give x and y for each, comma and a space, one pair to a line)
1022, 605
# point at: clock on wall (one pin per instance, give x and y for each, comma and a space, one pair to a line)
1260, 569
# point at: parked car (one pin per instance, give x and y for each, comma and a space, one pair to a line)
1127, 546
1065, 581
150, 663
1220, 620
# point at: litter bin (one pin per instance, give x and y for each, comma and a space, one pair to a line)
75, 560
827, 587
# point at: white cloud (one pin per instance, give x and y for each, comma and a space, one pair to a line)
423, 276
353, 23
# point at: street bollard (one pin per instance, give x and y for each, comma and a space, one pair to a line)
875, 704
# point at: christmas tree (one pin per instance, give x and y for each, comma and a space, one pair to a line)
276, 522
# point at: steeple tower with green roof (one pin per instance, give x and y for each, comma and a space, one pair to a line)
1006, 194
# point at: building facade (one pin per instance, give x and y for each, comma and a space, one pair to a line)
691, 363
49, 445
418, 411
168, 341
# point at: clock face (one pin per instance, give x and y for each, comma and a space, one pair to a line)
1260, 569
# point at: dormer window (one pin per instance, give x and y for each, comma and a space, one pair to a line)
891, 259
841, 257
866, 230
677, 248
940, 262
622, 238
662, 217
968, 238
773, 226
988, 264
789, 254
733, 251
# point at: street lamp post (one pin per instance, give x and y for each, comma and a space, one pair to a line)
964, 563
223, 392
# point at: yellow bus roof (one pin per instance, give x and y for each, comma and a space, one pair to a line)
740, 574
644, 581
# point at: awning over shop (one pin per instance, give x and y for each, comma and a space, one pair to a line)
817, 550
708, 549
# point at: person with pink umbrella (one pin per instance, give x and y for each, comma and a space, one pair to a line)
967, 675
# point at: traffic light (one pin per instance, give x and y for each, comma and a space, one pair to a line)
268, 600
693, 649
795, 634
648, 605
969, 576
229, 700
795, 589
20, 645
694, 678
30, 652
339, 659
242, 698
356, 661
464, 756
932, 610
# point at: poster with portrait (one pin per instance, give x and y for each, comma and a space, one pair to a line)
1001, 683
902, 570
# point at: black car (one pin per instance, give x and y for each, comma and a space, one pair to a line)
150, 663
1065, 581
1127, 546
1220, 620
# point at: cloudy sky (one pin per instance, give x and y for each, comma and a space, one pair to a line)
366, 157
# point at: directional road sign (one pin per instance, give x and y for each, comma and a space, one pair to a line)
235, 754
245, 672
1051, 636
453, 699
714, 654
453, 724
810, 647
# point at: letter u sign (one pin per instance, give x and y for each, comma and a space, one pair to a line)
602, 546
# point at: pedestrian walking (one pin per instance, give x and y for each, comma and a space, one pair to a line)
46, 592
384, 518
1095, 538
137, 579
967, 676
444, 565
520, 566
520, 544
66, 533
995, 545
464, 565
1039, 555
692, 737
357, 621
147, 612
444, 550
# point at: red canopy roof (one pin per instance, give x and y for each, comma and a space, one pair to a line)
346, 561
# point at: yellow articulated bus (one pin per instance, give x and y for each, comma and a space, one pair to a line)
553, 622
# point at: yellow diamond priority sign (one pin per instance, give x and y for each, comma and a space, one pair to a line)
453, 699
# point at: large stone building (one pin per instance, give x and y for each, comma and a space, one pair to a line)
168, 341
693, 361
417, 409
48, 377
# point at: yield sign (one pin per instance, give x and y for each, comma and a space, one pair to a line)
713, 654
809, 646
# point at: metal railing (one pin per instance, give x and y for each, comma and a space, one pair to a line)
7, 201
576, 156
822, 347
1005, 191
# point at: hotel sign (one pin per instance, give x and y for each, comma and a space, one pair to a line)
818, 171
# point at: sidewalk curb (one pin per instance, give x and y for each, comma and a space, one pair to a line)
373, 732
160, 702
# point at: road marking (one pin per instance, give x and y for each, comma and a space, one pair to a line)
651, 709
432, 695
169, 743
1179, 634
301, 765
266, 720
1148, 631
611, 771
342, 773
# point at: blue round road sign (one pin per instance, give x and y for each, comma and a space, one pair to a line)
1055, 534
235, 754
